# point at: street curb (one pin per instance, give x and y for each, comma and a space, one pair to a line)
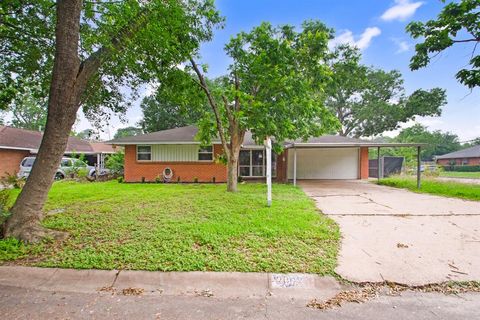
228, 285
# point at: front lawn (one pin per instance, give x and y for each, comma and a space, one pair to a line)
442, 188
182, 228
457, 174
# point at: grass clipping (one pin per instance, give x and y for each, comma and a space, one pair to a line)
370, 291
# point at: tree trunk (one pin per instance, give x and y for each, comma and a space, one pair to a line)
236, 141
232, 177
64, 101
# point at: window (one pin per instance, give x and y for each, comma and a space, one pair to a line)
66, 163
465, 162
252, 163
205, 153
144, 153
28, 162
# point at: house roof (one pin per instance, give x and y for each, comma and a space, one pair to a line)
101, 147
472, 152
171, 136
22, 139
186, 135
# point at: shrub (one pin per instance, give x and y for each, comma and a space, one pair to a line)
462, 168
120, 179
11, 180
116, 163
4, 204
178, 179
158, 179
195, 180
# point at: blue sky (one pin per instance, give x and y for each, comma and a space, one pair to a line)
377, 27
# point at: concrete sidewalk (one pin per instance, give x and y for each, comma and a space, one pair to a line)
398, 235
36, 293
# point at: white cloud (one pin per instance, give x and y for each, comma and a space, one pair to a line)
402, 10
402, 45
363, 41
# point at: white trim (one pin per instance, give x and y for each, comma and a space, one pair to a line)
18, 148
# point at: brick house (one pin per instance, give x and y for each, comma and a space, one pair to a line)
465, 157
178, 152
16, 144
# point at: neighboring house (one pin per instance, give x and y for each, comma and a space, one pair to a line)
15, 144
465, 157
326, 157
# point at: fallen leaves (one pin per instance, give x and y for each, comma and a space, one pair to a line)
125, 292
132, 291
357, 296
368, 291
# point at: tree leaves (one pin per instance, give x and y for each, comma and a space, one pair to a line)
456, 23
144, 40
369, 101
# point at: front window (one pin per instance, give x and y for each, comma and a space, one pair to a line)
205, 153
252, 163
144, 153
465, 162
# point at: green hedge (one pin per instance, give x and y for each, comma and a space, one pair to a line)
462, 168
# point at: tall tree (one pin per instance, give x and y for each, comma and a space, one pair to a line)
270, 89
29, 110
369, 101
128, 132
457, 23
162, 113
87, 134
97, 48
436, 142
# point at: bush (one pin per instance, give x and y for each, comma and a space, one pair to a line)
4, 204
120, 180
116, 163
462, 168
11, 180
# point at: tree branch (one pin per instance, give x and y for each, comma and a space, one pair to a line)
91, 65
467, 40
212, 103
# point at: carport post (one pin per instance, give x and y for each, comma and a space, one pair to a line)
294, 166
378, 163
419, 173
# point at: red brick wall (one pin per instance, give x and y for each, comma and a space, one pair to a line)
459, 162
363, 163
10, 160
187, 171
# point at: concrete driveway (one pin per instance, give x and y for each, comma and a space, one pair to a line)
397, 235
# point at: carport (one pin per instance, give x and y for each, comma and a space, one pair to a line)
337, 158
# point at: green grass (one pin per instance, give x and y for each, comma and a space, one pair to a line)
183, 228
456, 174
442, 188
